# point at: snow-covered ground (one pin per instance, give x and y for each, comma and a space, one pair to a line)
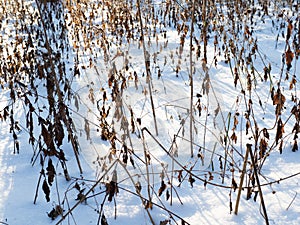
183, 189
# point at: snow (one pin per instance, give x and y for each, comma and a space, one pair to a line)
169, 151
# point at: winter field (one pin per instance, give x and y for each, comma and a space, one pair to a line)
149, 112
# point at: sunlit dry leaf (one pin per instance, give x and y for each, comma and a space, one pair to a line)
289, 56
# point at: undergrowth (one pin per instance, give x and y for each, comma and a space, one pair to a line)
70, 68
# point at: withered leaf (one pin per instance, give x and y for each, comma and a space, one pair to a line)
132, 161
280, 130
234, 185
87, 129
111, 190
236, 121
103, 220
164, 222
233, 137
191, 180
46, 135
179, 176
92, 95
50, 172
280, 147
236, 76
148, 204
279, 100
293, 83
59, 132
81, 197
167, 195
289, 56
125, 157
77, 186
255, 195
46, 190
54, 213
210, 177
76, 103
247, 127
266, 133
295, 146
162, 188
289, 30
138, 187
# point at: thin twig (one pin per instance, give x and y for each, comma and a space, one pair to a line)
292, 201
191, 81
241, 181
147, 65
258, 185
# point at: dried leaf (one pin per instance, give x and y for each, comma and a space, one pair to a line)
295, 146
289, 56
58, 132
255, 195
179, 176
50, 172
87, 129
280, 147
191, 180
293, 82
262, 147
55, 212
138, 187
167, 195
289, 30
91, 95
210, 177
278, 100
46, 190
76, 103
234, 185
233, 137
103, 220
266, 133
77, 186
162, 188
148, 204
236, 76
81, 197
132, 161
46, 135
249, 193
111, 190
164, 222
280, 130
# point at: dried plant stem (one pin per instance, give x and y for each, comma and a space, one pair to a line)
59, 94
37, 187
204, 6
147, 167
147, 65
191, 80
242, 180
226, 148
292, 201
258, 184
